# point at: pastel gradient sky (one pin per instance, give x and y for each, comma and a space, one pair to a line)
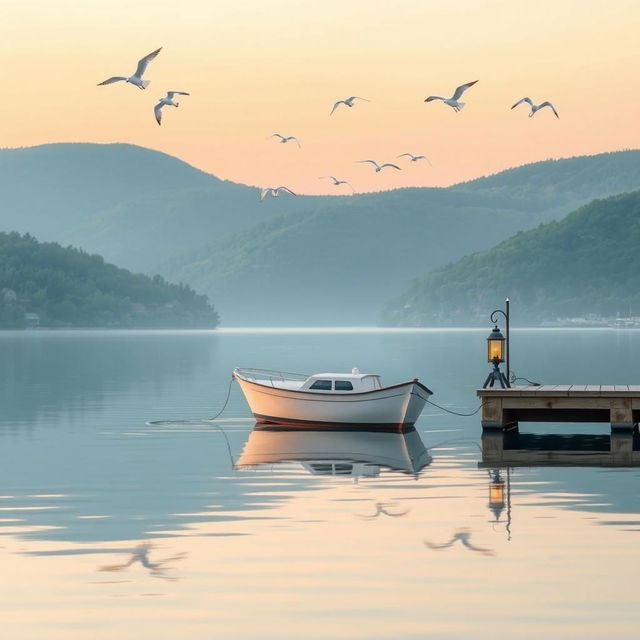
254, 67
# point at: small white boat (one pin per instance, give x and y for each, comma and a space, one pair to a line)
331, 399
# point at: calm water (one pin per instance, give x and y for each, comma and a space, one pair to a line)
114, 528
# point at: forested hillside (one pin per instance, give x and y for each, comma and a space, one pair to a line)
587, 263
338, 265
46, 284
133, 206
289, 260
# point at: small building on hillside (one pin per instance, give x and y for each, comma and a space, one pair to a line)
32, 320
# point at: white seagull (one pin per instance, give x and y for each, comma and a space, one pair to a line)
274, 192
167, 101
337, 182
414, 158
136, 78
536, 107
348, 102
380, 167
285, 139
454, 100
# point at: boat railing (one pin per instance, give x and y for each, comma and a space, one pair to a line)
269, 374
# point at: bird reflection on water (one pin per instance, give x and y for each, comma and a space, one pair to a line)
381, 509
463, 535
157, 568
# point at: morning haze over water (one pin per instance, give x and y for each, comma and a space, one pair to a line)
111, 524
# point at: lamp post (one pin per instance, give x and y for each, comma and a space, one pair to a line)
497, 346
495, 355
505, 313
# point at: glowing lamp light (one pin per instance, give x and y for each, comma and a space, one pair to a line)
495, 346
496, 494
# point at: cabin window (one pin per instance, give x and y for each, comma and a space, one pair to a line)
322, 385
343, 385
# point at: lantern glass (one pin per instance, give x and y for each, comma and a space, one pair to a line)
496, 494
495, 346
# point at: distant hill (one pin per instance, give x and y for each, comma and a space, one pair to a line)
338, 264
587, 263
47, 284
134, 206
290, 260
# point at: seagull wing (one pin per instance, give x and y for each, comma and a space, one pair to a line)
444, 545
111, 80
286, 190
352, 98
170, 94
263, 193
462, 88
143, 63
158, 111
402, 155
527, 100
388, 164
277, 135
373, 162
486, 552
546, 103
336, 105
296, 139
430, 98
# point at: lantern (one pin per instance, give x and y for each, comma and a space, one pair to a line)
495, 346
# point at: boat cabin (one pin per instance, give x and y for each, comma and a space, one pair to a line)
342, 382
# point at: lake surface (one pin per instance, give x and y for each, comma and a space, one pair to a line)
111, 527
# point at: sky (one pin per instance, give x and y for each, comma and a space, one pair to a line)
255, 67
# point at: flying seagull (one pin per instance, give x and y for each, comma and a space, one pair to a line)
453, 101
380, 167
414, 158
536, 107
348, 102
336, 182
274, 192
167, 101
136, 78
285, 139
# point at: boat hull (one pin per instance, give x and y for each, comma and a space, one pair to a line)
395, 406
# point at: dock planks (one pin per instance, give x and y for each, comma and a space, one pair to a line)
506, 408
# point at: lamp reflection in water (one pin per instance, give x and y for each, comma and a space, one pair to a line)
499, 497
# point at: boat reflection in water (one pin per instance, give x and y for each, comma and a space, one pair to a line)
356, 452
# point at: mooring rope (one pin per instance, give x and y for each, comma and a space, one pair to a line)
456, 413
202, 421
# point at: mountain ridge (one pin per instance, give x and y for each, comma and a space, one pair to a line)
585, 264
343, 256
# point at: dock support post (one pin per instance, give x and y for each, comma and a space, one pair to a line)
492, 446
621, 447
621, 415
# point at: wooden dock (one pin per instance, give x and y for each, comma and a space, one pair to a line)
618, 405
508, 449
